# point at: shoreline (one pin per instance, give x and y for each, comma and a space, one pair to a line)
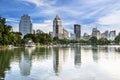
58, 45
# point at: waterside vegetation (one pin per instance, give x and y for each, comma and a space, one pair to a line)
8, 37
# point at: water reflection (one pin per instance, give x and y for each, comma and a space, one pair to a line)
117, 49
77, 56
72, 63
4, 63
26, 61
57, 60
95, 53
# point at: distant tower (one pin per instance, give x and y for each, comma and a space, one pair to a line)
77, 31
112, 35
65, 34
25, 25
57, 28
96, 33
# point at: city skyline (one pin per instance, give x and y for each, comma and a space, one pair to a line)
105, 15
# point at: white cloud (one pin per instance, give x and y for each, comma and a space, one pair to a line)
95, 1
39, 3
15, 28
110, 19
46, 26
14, 23
36, 2
100, 12
12, 20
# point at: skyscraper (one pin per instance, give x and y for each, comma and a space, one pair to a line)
65, 34
57, 28
25, 25
77, 31
96, 33
86, 36
105, 34
112, 35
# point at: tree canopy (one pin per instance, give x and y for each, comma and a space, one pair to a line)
117, 39
6, 35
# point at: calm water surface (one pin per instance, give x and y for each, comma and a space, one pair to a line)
68, 63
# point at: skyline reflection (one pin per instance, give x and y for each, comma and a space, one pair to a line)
57, 60
66, 63
77, 56
26, 61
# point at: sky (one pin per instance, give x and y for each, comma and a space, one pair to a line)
103, 14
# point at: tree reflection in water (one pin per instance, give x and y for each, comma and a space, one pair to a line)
4, 63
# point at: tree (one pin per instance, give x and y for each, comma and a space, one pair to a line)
6, 36
38, 38
93, 40
5, 32
103, 41
16, 38
117, 39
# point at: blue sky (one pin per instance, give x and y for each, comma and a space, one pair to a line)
103, 14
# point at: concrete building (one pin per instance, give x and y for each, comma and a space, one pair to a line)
25, 25
34, 32
77, 31
86, 36
65, 34
105, 34
72, 36
57, 28
38, 31
96, 33
51, 34
112, 35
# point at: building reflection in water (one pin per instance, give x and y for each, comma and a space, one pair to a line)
26, 61
95, 53
57, 60
77, 56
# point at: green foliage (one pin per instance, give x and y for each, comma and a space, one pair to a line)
117, 39
103, 41
84, 41
38, 38
93, 40
56, 40
16, 38
6, 36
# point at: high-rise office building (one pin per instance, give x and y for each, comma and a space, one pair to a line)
105, 34
77, 31
57, 28
65, 34
86, 36
72, 36
112, 35
96, 33
25, 25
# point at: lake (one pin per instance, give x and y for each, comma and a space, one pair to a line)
61, 63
